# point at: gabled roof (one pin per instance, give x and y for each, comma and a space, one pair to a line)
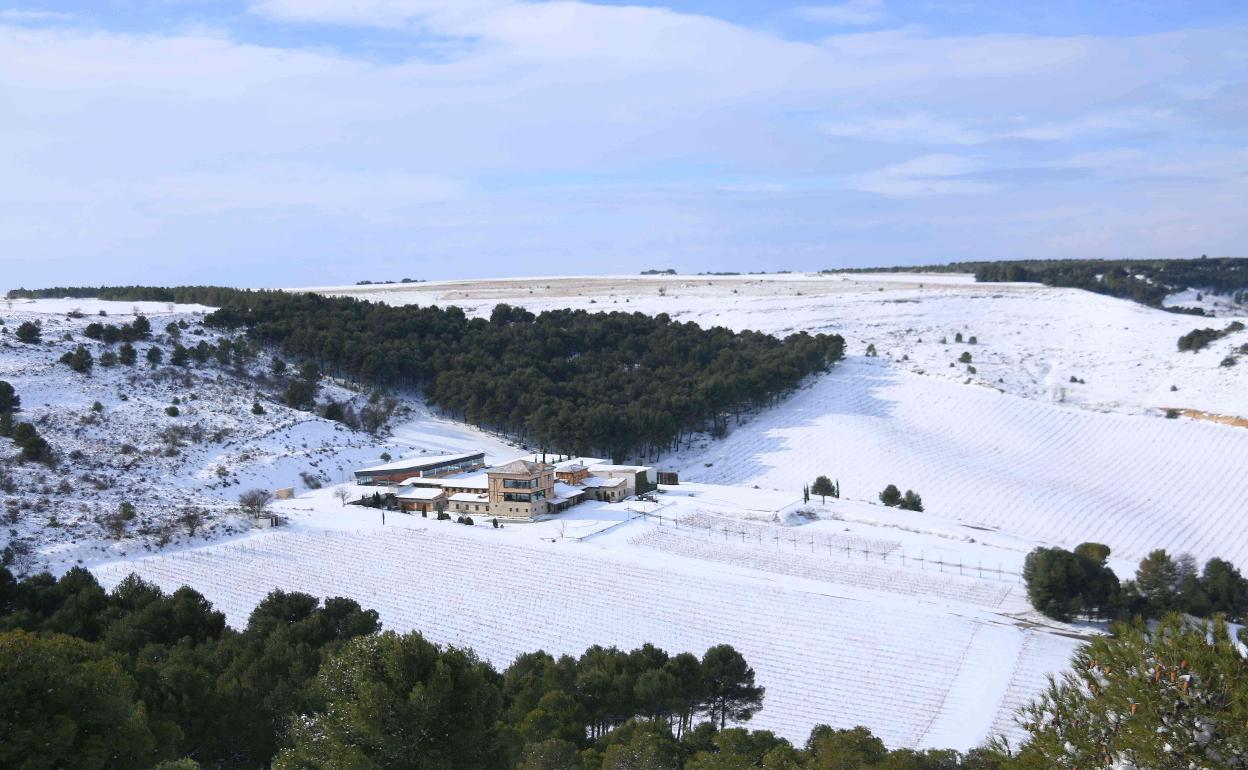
521, 466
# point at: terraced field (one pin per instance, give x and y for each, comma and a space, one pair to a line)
1038, 470
912, 672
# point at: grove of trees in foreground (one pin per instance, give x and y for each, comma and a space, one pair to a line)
137, 678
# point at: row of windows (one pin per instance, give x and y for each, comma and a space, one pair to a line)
519, 483
519, 497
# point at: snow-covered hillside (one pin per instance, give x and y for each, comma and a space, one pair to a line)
1014, 445
130, 449
1031, 339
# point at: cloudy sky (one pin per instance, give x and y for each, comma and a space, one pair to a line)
311, 142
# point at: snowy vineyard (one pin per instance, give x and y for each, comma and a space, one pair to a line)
803, 559
736, 528
915, 680
1035, 470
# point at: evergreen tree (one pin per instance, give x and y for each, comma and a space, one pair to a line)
550, 754
823, 487
29, 333
181, 356
1175, 696
300, 394
891, 496
1226, 589
641, 745
126, 354
1062, 584
9, 400
64, 703
730, 690
1157, 580
911, 501
79, 360
852, 749
400, 702
154, 356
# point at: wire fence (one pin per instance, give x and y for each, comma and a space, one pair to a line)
833, 545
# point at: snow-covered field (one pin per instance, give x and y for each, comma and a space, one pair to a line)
923, 655
914, 624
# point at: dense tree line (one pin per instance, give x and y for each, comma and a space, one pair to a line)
1064, 584
569, 381
212, 296
618, 384
137, 678
1147, 281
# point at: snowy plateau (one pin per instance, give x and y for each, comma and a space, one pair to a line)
915, 625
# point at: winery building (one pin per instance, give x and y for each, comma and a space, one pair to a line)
525, 488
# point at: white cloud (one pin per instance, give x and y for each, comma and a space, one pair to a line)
441, 15
852, 12
936, 174
911, 128
23, 14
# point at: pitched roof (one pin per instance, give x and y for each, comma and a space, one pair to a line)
521, 466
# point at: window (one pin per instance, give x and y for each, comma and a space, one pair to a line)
515, 497
519, 483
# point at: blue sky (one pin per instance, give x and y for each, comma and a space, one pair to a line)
314, 142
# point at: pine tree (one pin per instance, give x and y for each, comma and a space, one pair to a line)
1175, 696
420, 706
9, 400
28, 332
1157, 580
891, 496
730, 690
911, 501
823, 488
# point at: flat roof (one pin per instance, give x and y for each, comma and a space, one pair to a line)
610, 467
599, 481
420, 462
